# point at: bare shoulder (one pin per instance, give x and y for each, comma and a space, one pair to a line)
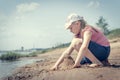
88, 32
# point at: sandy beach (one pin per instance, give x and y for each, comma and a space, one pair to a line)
40, 70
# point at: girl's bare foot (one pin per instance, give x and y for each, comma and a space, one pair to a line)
94, 65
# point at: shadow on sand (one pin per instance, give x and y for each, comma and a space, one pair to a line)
115, 66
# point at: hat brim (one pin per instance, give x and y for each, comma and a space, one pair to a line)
67, 25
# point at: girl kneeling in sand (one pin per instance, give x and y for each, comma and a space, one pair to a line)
90, 43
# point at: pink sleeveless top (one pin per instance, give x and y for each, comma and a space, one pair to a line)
97, 36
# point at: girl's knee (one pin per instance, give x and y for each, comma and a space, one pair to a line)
77, 43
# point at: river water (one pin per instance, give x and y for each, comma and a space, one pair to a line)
6, 68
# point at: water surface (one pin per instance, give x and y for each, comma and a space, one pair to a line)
6, 68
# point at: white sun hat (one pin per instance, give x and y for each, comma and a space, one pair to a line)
72, 18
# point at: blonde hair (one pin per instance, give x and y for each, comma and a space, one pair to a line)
83, 24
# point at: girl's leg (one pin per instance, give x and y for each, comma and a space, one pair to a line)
88, 54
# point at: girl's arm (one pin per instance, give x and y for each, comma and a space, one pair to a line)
83, 48
67, 52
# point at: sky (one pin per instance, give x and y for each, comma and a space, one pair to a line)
40, 23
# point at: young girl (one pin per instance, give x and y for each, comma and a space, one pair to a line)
91, 44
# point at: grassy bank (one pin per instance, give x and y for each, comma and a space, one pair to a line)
10, 56
114, 33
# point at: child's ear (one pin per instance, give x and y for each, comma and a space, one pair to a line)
78, 22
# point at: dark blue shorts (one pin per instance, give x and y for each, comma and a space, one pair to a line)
100, 52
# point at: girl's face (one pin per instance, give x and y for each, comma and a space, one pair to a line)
75, 27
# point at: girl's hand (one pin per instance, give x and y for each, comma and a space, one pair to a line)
76, 66
54, 68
